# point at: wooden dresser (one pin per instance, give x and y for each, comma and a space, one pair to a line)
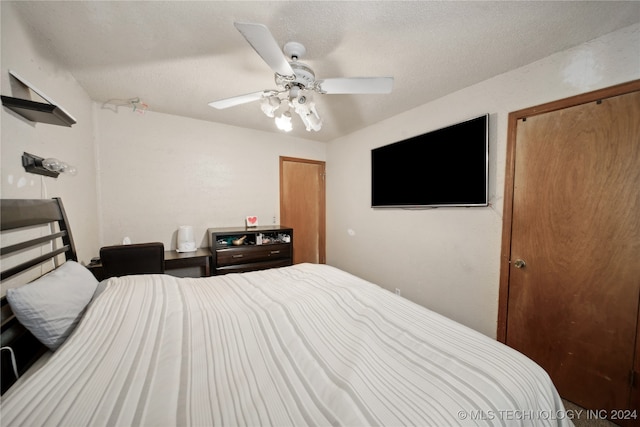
262, 247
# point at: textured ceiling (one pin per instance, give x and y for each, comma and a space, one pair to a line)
177, 56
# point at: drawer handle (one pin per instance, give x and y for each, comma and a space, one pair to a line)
238, 256
275, 252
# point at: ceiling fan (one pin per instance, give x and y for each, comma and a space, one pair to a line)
295, 81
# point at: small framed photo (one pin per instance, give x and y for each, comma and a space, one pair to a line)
252, 221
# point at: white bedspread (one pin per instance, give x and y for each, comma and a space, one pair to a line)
301, 345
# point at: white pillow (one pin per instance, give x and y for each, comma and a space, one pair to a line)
51, 306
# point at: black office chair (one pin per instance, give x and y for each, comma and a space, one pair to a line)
139, 258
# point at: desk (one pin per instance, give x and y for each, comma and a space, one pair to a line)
200, 258
173, 260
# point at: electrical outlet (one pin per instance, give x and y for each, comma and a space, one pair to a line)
397, 291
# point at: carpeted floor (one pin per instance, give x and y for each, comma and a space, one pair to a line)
584, 418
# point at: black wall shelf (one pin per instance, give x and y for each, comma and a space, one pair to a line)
38, 111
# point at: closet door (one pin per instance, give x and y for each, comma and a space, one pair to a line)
574, 273
302, 207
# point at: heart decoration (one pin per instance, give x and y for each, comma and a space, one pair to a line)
252, 219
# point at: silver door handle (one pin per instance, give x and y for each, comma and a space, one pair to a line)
519, 263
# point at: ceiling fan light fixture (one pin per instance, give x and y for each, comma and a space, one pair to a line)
269, 105
283, 122
306, 109
311, 121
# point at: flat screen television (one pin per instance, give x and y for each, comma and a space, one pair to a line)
445, 167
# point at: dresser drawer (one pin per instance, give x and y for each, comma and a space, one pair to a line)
241, 268
252, 254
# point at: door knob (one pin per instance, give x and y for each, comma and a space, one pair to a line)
519, 263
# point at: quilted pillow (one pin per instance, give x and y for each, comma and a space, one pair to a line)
50, 307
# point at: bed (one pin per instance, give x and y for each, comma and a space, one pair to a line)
301, 345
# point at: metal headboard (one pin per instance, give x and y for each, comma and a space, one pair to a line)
16, 214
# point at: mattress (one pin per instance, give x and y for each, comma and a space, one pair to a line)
301, 345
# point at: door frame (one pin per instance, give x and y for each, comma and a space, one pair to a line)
322, 238
505, 252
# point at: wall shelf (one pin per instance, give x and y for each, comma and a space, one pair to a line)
43, 112
38, 111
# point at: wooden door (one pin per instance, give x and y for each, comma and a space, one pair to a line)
302, 207
572, 267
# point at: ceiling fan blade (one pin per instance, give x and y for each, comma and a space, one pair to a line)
356, 85
262, 41
238, 100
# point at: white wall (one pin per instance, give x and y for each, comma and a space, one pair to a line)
144, 175
74, 145
448, 259
158, 171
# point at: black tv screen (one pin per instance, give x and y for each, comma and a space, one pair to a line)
445, 167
